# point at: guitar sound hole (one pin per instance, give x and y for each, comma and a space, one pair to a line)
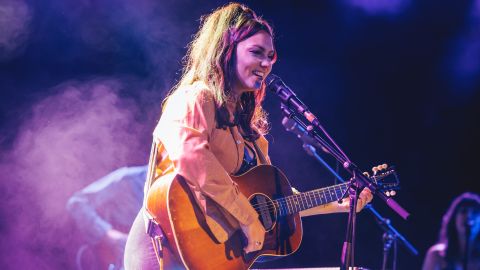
266, 209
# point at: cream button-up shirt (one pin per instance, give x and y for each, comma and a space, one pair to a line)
191, 145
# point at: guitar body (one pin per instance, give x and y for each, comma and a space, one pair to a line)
173, 205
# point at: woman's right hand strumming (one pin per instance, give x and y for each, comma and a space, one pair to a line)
255, 233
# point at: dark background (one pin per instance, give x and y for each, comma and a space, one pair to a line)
392, 81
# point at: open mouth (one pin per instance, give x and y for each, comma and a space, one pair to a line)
259, 74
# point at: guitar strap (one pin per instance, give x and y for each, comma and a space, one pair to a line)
259, 152
152, 228
261, 157
151, 169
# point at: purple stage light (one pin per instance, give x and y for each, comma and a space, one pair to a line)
380, 7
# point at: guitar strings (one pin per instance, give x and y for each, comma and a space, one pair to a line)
303, 196
295, 199
298, 201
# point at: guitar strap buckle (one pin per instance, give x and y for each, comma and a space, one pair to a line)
158, 238
153, 229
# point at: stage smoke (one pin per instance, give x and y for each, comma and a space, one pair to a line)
65, 142
15, 19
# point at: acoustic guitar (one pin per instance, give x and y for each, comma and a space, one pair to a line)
189, 239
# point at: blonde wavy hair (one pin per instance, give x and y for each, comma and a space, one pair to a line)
210, 59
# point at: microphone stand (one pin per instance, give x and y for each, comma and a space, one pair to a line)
388, 240
467, 244
313, 138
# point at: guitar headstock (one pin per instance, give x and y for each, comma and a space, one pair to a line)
386, 179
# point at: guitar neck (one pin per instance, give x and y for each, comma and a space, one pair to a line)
306, 200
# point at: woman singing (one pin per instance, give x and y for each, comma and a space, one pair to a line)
212, 127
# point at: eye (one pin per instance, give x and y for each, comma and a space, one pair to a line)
256, 52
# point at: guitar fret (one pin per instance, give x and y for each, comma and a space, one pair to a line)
292, 204
303, 202
320, 196
315, 197
311, 202
328, 192
295, 200
339, 196
284, 206
344, 189
288, 207
297, 203
333, 194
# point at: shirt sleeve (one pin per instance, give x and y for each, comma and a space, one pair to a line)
185, 130
86, 217
96, 209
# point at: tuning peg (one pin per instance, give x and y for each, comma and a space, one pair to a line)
390, 193
366, 174
378, 168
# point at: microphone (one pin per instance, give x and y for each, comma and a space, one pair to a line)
291, 126
288, 97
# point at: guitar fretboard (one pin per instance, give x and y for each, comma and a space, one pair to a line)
306, 200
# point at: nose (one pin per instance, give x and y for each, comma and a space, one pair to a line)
266, 63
